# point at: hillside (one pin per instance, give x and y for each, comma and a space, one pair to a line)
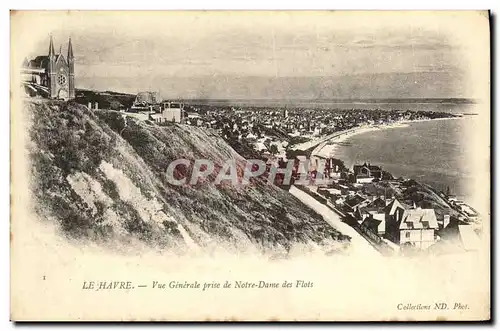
106, 100
101, 178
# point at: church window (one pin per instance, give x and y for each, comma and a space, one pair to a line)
61, 79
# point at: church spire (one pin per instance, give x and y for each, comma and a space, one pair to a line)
51, 47
70, 50
52, 69
71, 70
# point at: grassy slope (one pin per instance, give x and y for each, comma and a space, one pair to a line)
101, 185
106, 100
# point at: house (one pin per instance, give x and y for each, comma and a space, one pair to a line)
172, 112
375, 222
355, 201
366, 173
457, 234
418, 228
361, 213
378, 202
394, 212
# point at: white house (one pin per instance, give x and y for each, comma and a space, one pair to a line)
418, 227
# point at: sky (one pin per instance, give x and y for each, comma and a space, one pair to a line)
263, 55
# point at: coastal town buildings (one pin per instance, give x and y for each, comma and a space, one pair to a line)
366, 173
273, 135
460, 234
418, 228
149, 106
403, 225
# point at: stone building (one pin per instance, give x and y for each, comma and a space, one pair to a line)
51, 75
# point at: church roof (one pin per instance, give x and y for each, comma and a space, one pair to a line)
59, 57
39, 62
42, 61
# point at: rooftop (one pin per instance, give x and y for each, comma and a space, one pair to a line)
419, 219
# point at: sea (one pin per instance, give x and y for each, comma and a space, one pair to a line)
440, 153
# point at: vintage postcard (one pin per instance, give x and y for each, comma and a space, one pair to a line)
250, 166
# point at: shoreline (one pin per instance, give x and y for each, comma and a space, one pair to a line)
329, 147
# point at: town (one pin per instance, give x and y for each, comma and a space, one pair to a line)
395, 215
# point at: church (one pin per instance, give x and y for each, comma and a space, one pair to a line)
51, 76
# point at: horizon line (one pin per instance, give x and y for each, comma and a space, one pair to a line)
470, 99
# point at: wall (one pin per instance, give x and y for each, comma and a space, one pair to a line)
421, 238
172, 115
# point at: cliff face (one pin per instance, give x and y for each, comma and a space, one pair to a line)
102, 178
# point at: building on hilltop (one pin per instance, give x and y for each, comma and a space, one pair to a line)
148, 97
146, 102
52, 75
150, 106
172, 112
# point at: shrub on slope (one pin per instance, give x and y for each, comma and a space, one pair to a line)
102, 177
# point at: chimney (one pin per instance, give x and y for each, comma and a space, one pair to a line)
89, 105
96, 105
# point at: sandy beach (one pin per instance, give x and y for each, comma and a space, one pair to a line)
328, 147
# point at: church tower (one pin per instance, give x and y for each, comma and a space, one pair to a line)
52, 70
71, 71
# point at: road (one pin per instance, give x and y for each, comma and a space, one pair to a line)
359, 245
